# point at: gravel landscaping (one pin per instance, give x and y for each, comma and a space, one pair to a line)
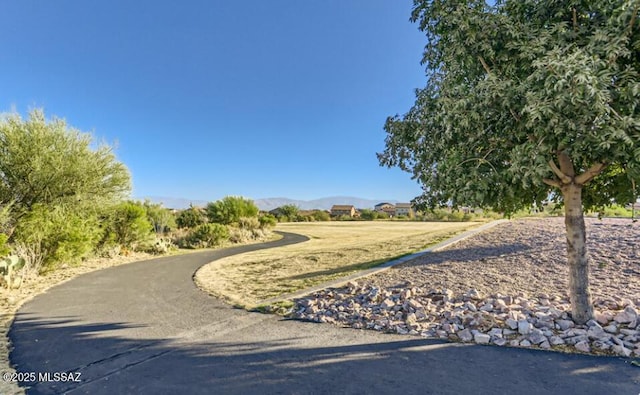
505, 286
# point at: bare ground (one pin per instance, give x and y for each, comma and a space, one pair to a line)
529, 256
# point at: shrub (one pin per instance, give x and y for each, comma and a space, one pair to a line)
249, 223
190, 218
267, 221
57, 235
207, 235
128, 225
230, 209
320, 215
4, 248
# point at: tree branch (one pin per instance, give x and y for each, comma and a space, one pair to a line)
633, 18
563, 177
553, 183
566, 166
592, 172
575, 20
484, 65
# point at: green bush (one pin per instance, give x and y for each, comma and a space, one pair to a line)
230, 209
4, 248
190, 218
58, 234
267, 221
161, 219
207, 235
127, 225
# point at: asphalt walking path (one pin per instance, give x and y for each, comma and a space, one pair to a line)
144, 328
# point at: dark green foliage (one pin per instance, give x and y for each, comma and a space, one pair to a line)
207, 235
515, 86
230, 209
191, 217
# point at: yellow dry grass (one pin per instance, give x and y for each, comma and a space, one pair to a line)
335, 249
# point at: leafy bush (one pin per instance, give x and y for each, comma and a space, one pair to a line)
191, 217
161, 219
368, 215
58, 235
230, 209
127, 225
321, 215
207, 235
267, 221
4, 248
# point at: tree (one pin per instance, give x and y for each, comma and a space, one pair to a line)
129, 224
49, 163
290, 211
230, 209
526, 99
161, 218
191, 217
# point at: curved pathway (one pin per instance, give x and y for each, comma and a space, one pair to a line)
145, 328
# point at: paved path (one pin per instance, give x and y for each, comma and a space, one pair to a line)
144, 328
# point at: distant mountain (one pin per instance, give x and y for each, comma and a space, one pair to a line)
268, 204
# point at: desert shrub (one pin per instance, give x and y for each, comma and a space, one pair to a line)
158, 246
267, 221
161, 219
4, 248
243, 235
368, 215
320, 215
58, 234
249, 223
207, 235
239, 235
190, 218
230, 209
127, 225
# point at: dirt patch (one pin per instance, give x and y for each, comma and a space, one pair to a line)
529, 256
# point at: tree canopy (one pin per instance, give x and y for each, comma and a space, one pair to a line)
49, 163
230, 209
512, 87
525, 100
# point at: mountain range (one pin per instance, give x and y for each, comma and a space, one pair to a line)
267, 204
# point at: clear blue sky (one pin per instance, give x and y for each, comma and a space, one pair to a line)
208, 98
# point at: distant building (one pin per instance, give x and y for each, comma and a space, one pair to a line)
338, 210
404, 209
388, 208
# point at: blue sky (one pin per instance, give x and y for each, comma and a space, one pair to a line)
212, 98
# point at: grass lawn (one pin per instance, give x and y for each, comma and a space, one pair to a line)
336, 249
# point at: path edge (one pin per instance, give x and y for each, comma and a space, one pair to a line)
385, 266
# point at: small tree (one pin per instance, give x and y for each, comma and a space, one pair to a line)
49, 163
290, 211
230, 209
161, 218
191, 217
526, 99
129, 224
